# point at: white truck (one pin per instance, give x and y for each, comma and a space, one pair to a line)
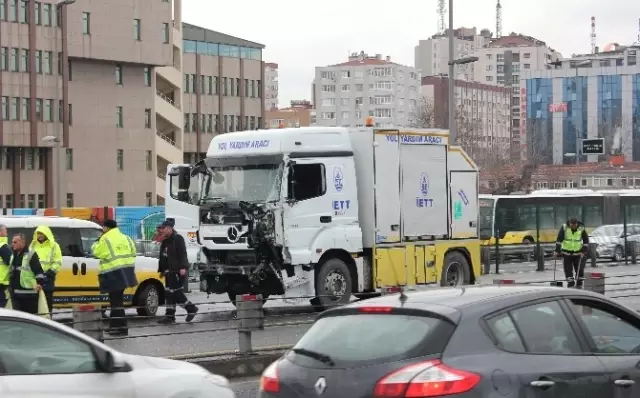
328, 212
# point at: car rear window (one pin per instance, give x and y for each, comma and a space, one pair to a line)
360, 339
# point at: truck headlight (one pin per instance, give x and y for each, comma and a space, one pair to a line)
269, 221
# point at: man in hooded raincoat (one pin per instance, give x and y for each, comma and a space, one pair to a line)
50, 255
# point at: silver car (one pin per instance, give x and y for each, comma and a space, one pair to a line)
610, 240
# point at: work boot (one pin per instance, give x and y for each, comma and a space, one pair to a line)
192, 310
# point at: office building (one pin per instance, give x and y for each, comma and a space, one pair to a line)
502, 62
83, 76
270, 86
297, 115
346, 93
223, 87
432, 55
588, 96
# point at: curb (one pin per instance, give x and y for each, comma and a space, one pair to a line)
235, 367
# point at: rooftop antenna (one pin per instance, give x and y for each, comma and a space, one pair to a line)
498, 19
593, 35
442, 10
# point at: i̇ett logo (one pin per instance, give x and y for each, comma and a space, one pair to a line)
423, 199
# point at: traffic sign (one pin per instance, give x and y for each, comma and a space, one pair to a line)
593, 146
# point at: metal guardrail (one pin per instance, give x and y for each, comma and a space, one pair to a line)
169, 100
162, 175
166, 138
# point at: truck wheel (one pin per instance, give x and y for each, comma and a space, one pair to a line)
333, 283
455, 271
148, 300
232, 298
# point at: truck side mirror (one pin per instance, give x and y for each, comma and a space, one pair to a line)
291, 183
183, 174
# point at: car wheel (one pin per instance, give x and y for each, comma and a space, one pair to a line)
148, 300
618, 254
333, 283
455, 271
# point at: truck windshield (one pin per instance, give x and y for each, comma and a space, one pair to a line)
250, 183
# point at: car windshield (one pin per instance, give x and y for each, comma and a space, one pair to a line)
363, 339
251, 183
608, 231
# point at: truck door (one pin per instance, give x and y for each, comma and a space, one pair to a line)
308, 209
464, 204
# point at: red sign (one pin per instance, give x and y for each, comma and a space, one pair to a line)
559, 107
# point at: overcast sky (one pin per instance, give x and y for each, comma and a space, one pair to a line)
300, 35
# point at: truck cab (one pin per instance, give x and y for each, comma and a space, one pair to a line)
318, 211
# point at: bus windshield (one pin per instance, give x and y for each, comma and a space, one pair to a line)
486, 218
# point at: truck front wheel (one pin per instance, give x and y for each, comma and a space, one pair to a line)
455, 270
333, 283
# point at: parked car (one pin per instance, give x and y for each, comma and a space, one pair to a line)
508, 341
40, 358
610, 240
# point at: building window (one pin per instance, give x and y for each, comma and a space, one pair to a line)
69, 200
4, 53
120, 199
136, 29
24, 60
13, 12
38, 13
24, 11
47, 62
14, 108
13, 60
165, 32
225, 88
38, 61
149, 199
147, 118
69, 159
120, 159
147, 76
25, 109
46, 14
48, 110
41, 203
210, 123
9, 202
70, 115
30, 160
119, 117
86, 23
3, 17
5, 108
186, 123
118, 74
149, 160
31, 201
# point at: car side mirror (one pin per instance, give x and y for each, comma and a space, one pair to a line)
110, 362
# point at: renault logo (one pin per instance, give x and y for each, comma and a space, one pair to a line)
320, 386
233, 235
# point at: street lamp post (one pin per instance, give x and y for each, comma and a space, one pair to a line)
453, 131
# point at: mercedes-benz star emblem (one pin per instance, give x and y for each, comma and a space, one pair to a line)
320, 386
233, 235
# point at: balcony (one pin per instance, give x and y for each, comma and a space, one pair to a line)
160, 185
167, 149
169, 110
171, 74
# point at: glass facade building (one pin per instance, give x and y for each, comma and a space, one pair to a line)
567, 105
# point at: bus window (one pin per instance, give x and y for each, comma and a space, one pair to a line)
547, 217
633, 214
486, 218
527, 214
592, 217
561, 215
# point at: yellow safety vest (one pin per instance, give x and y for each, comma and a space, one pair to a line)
5, 269
47, 257
115, 250
572, 240
27, 277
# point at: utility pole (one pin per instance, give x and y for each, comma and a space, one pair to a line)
452, 100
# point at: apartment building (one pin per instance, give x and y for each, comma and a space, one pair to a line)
482, 114
80, 79
299, 114
432, 55
502, 61
346, 93
271, 86
223, 87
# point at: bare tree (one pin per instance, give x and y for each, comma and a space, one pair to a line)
424, 116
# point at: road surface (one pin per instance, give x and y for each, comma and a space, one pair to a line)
246, 388
214, 328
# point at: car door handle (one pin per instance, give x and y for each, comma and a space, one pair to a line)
74, 268
325, 219
83, 269
542, 383
624, 382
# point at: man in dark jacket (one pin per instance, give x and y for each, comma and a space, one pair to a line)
573, 244
27, 276
174, 265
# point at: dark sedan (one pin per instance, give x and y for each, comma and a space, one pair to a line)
484, 341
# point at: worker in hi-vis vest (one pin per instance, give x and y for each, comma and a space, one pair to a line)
27, 276
117, 254
50, 257
573, 243
5, 270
